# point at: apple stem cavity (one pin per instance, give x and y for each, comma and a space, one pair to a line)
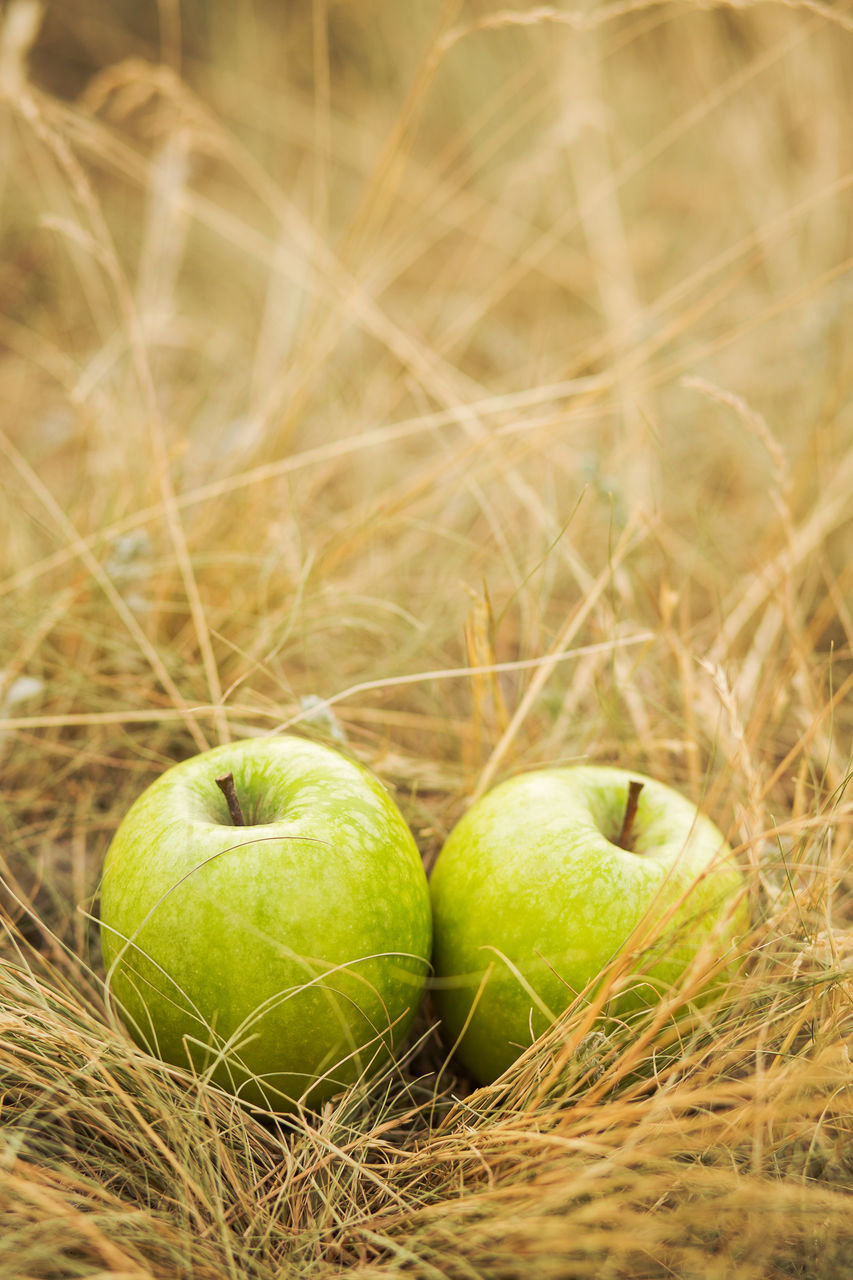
226, 786
634, 789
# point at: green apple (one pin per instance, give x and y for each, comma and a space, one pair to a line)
549, 877
285, 956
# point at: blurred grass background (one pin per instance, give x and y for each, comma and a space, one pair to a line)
472, 386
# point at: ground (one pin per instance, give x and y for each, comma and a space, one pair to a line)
470, 388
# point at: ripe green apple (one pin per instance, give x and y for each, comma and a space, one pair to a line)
546, 879
285, 956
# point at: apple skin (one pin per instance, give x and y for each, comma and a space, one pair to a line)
532, 888
286, 956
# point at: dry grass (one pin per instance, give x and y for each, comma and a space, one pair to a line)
475, 383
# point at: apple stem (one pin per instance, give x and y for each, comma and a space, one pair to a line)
226, 786
634, 789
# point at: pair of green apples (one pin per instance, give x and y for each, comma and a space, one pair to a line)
266, 918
